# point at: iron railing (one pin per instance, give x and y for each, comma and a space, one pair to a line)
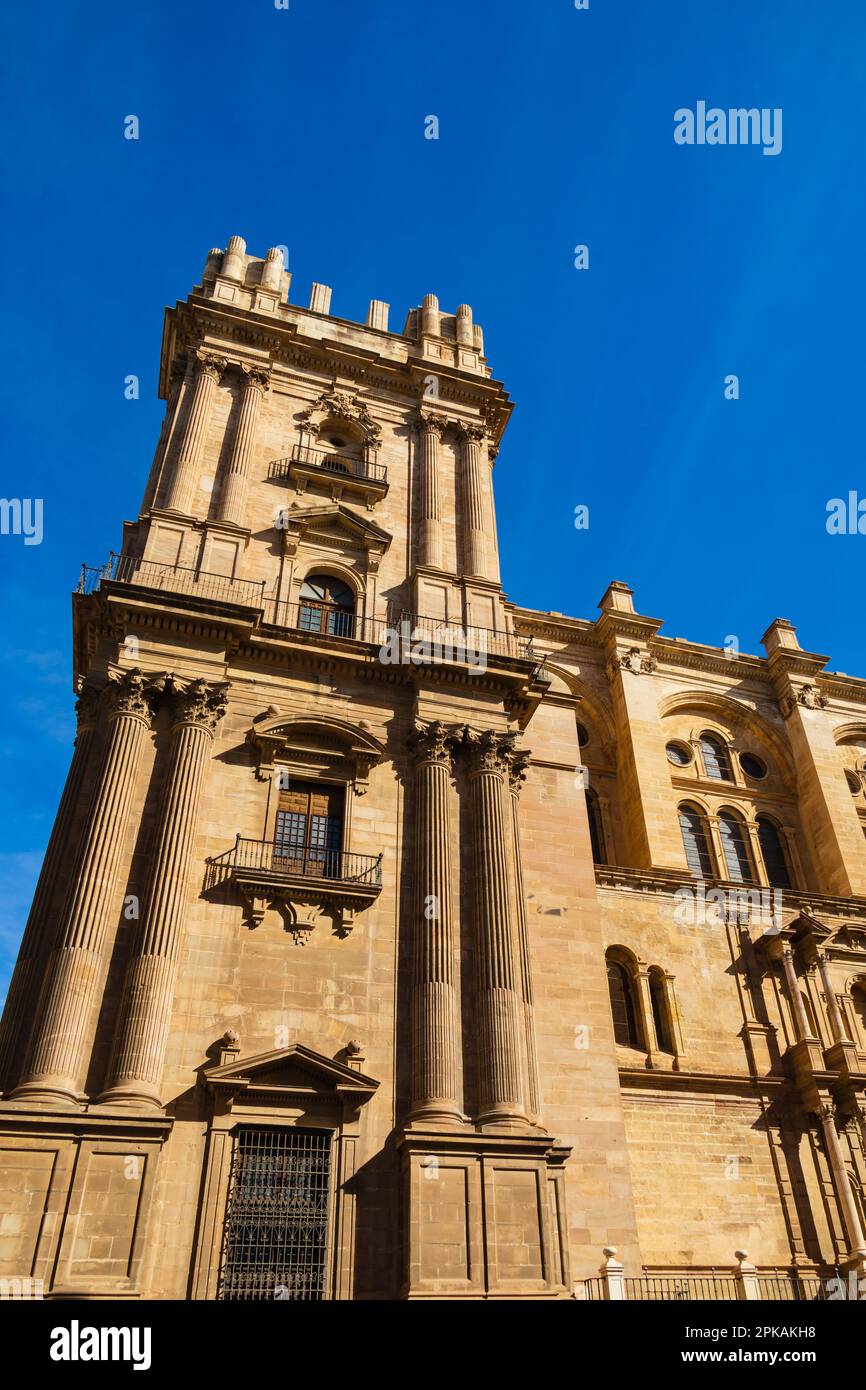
790, 1288
329, 461
172, 579
713, 1287
280, 860
406, 639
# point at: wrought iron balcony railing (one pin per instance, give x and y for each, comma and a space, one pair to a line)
329, 461
172, 579
286, 861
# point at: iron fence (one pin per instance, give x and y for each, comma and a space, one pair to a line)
173, 579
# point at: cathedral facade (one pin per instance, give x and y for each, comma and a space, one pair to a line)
396, 941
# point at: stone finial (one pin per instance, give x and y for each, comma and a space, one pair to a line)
465, 333
430, 321
780, 633
377, 315
233, 260
617, 596
320, 298
213, 263
272, 269
479, 339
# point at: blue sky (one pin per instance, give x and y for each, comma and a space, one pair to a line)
306, 127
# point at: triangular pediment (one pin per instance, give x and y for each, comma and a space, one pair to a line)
294, 1070
804, 924
338, 522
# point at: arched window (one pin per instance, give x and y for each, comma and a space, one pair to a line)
717, 764
858, 1001
738, 864
621, 988
596, 834
327, 605
694, 833
775, 863
659, 1002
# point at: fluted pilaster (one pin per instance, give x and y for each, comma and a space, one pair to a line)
57, 1064
233, 494
21, 999
431, 427
516, 778
135, 1072
473, 496
209, 368
434, 1005
499, 1008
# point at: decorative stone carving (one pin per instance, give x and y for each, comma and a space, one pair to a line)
633, 660
344, 407
808, 696
87, 708
132, 693
256, 377
429, 420
210, 365
475, 434
434, 743
489, 751
200, 703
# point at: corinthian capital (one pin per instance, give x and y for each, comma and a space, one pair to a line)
434, 743
132, 693
200, 702
209, 364
256, 378
489, 751
472, 434
87, 708
518, 763
428, 421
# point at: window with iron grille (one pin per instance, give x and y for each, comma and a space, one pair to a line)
276, 1226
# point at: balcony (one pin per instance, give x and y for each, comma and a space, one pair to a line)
403, 639
344, 472
159, 578
297, 880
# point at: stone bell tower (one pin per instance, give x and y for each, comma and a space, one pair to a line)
301, 707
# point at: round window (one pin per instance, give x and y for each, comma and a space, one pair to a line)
753, 766
582, 735
680, 754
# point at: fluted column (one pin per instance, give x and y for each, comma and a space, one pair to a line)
431, 427
499, 1007
435, 1030
834, 1013
801, 1019
56, 1068
21, 998
472, 496
135, 1071
233, 493
842, 1183
208, 370
516, 778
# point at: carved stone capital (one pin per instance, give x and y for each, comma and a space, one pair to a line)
201, 703
210, 364
132, 694
489, 751
434, 743
471, 434
256, 378
428, 422
519, 761
87, 708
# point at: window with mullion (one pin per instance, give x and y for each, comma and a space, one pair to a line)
695, 843
717, 764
